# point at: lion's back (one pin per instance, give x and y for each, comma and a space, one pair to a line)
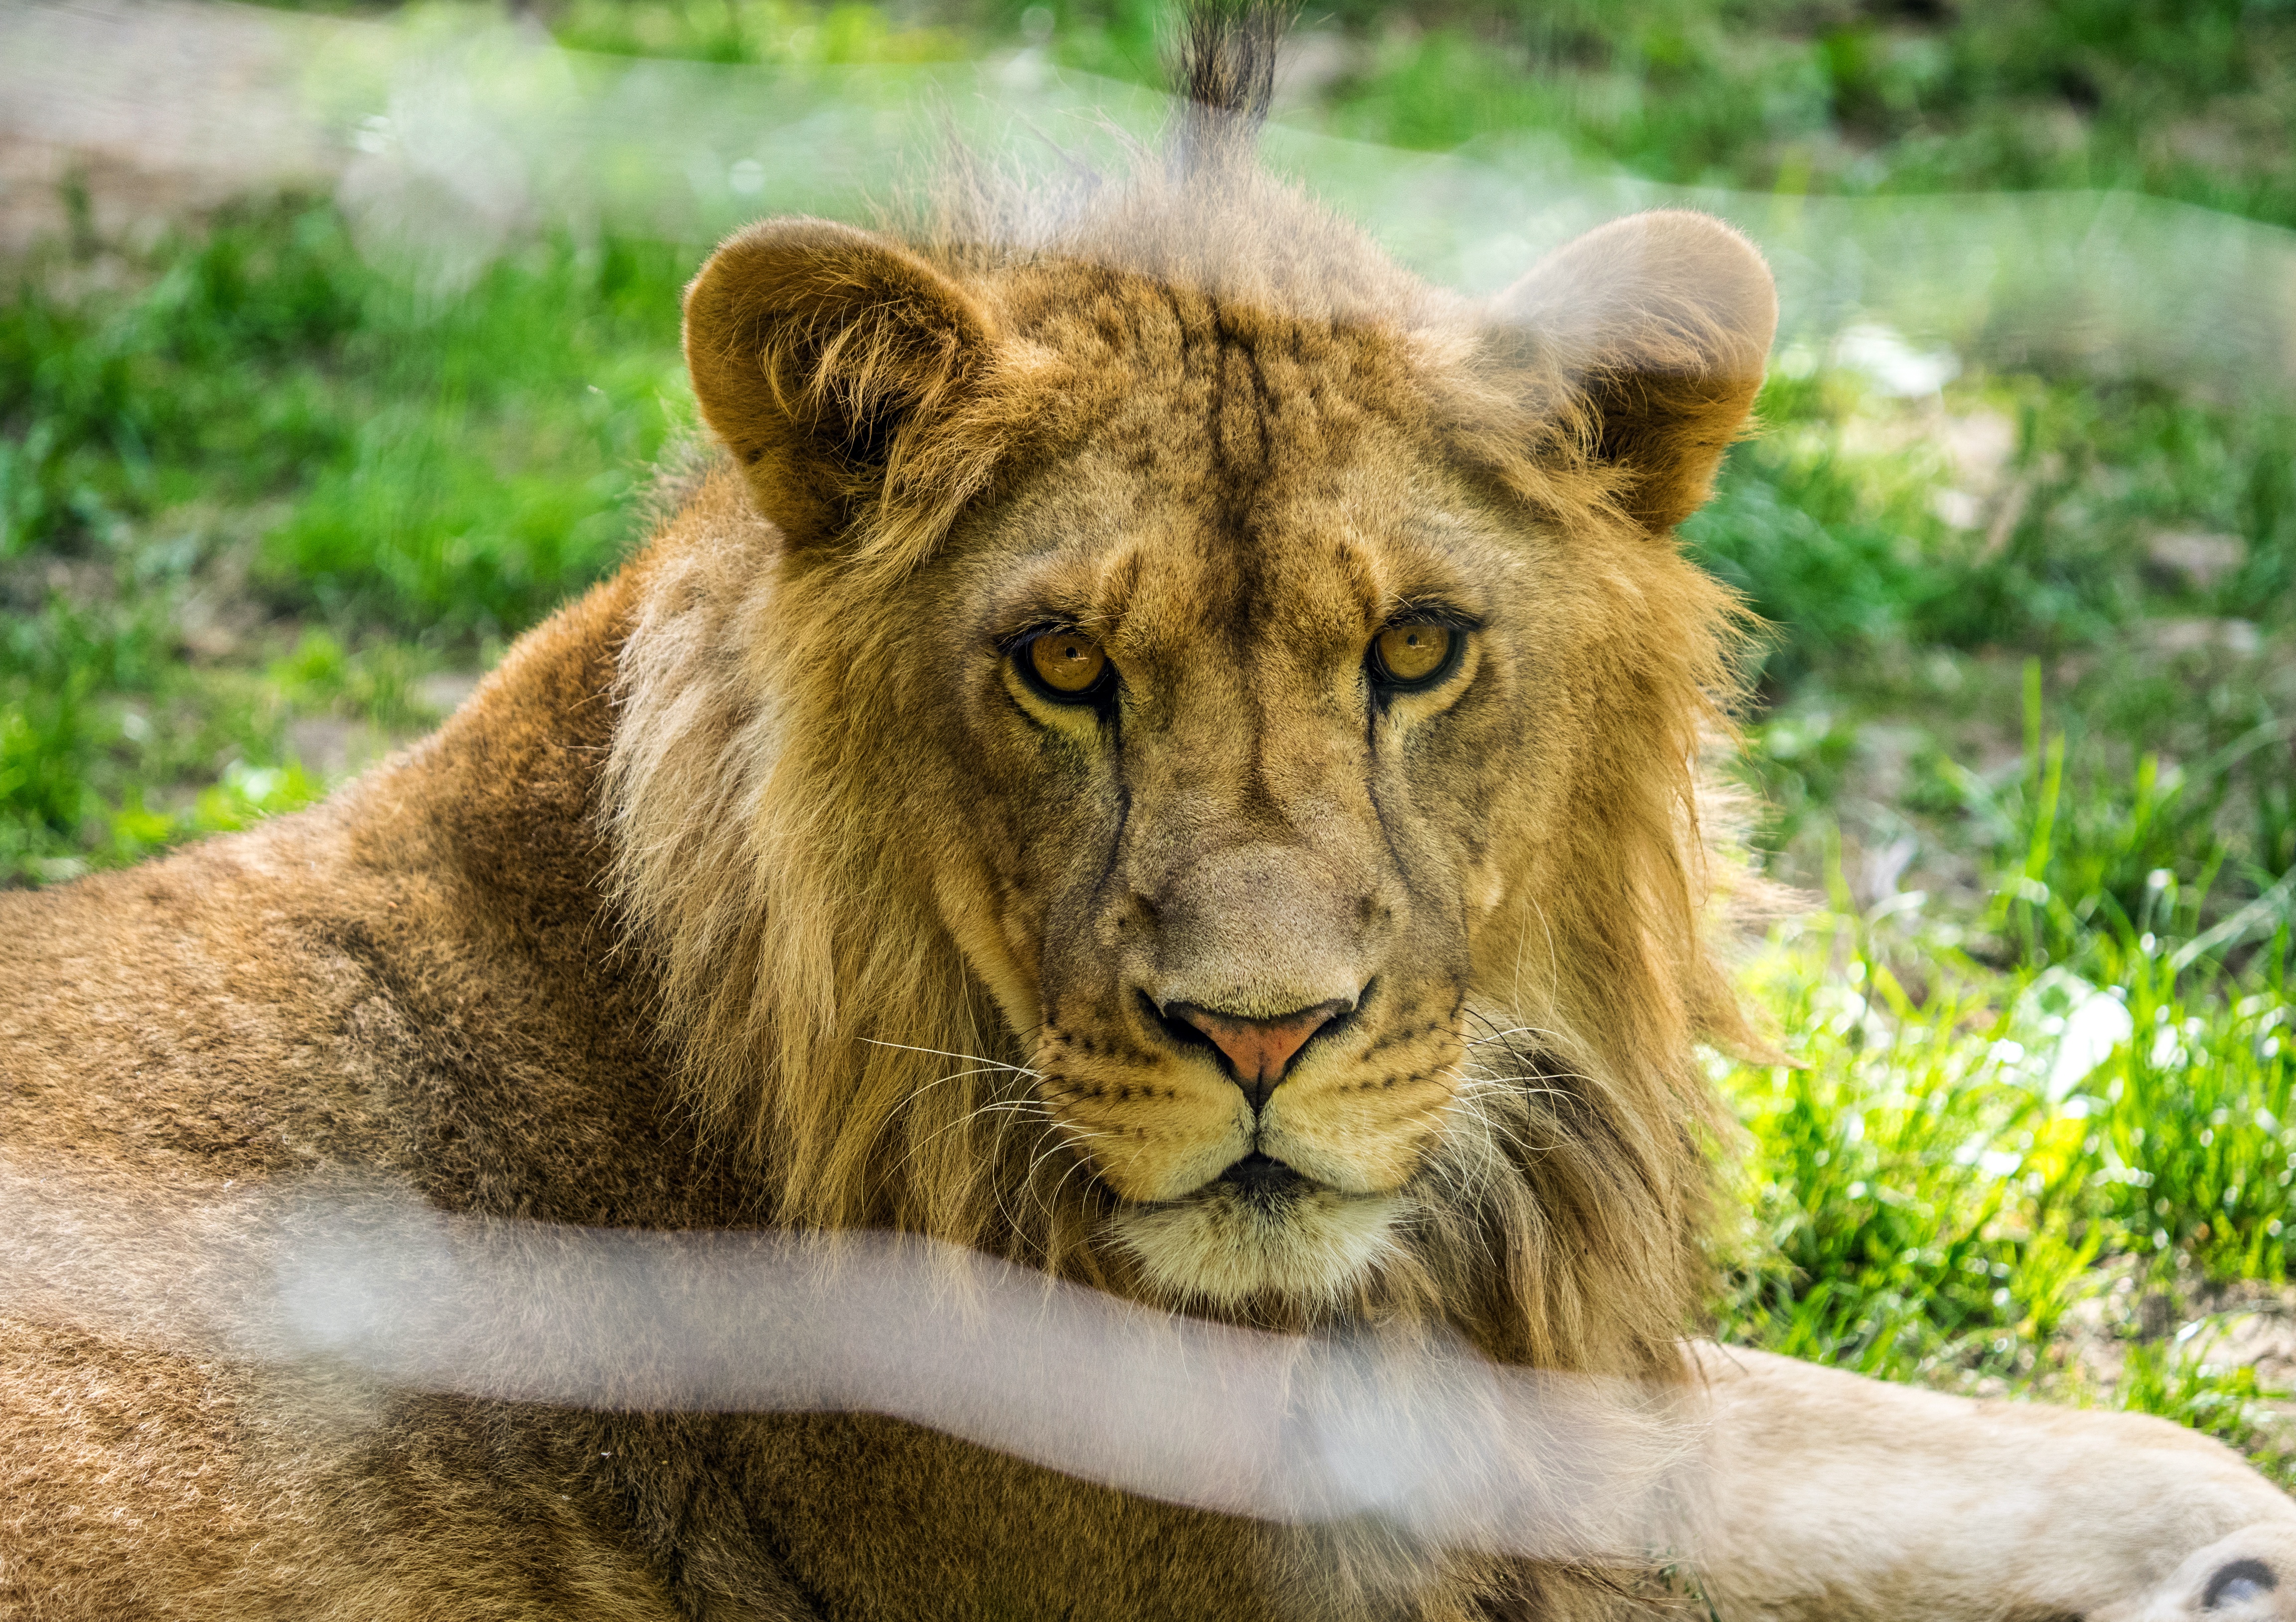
182, 1020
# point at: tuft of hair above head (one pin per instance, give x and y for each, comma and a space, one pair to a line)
1223, 68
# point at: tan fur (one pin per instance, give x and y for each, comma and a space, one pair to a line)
760, 888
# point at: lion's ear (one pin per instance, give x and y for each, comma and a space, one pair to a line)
818, 352
1662, 323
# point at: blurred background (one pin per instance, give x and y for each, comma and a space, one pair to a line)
336, 345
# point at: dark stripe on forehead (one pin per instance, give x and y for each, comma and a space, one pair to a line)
1245, 458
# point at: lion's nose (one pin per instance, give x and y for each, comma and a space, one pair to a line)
1259, 1050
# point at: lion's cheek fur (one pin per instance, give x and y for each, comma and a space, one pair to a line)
997, 942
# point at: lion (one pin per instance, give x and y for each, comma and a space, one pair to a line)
1158, 748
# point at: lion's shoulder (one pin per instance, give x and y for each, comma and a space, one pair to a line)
418, 977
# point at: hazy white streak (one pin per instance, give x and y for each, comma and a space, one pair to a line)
1419, 1433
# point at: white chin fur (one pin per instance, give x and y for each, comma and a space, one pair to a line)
1222, 1249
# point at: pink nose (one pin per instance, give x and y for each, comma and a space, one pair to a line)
1260, 1050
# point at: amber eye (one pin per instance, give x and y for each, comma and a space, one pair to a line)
1068, 663
1410, 654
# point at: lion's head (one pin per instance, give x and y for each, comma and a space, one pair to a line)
1196, 784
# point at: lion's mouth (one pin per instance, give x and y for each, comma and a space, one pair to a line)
1262, 1180
1260, 1228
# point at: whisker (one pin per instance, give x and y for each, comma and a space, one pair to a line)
1469, 1105
982, 1060
1016, 1105
1048, 1202
1516, 1087
1492, 1125
1544, 1073
1511, 1031
1052, 1201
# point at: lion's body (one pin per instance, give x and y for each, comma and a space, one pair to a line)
777, 883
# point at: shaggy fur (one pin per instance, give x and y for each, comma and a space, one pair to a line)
761, 887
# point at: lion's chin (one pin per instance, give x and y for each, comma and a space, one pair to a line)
1223, 1248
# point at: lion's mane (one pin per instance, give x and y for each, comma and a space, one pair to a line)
777, 824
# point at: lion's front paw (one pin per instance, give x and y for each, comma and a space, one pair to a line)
2249, 1576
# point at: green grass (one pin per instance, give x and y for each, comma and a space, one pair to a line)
457, 465
261, 504
236, 438
1933, 1198
2189, 101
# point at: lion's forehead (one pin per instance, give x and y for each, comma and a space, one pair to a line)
1162, 561
1219, 390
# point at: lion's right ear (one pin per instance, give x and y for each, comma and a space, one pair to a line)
819, 353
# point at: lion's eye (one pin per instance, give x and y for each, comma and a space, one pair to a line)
1408, 655
1069, 665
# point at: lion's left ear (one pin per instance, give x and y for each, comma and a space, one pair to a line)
1662, 323
819, 353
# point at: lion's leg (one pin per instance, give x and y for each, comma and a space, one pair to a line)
1836, 1497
